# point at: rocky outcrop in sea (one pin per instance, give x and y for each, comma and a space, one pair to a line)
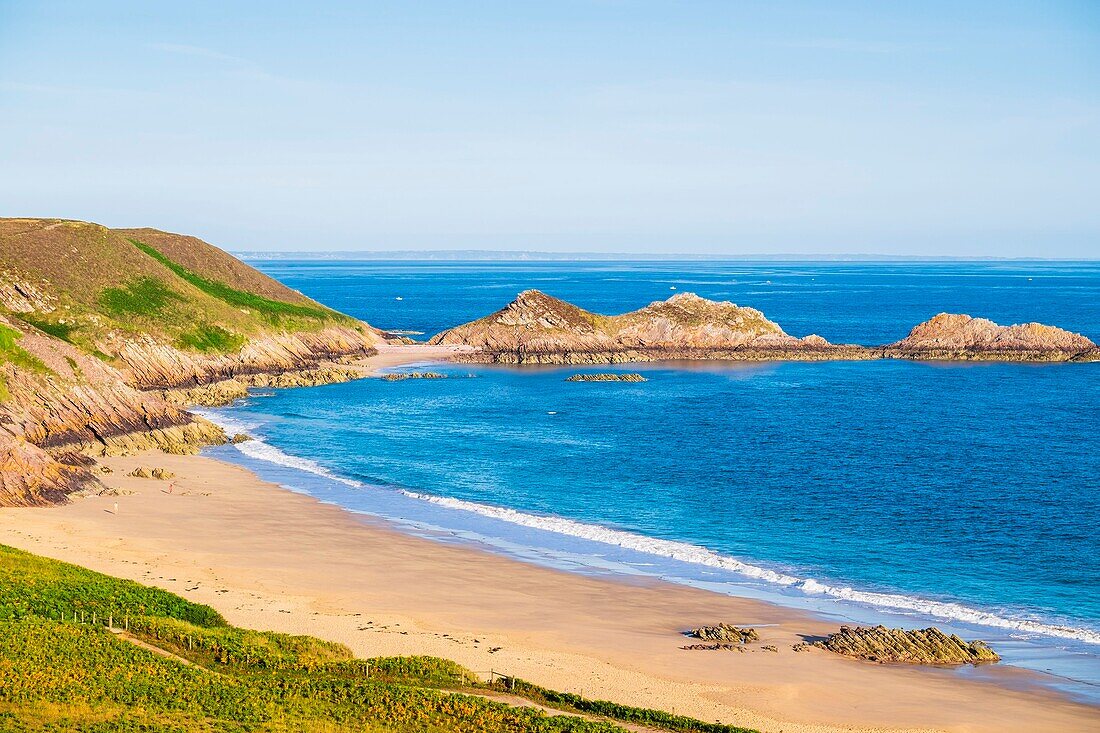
536, 328
955, 337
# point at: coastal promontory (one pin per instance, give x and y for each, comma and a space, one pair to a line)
537, 328
107, 334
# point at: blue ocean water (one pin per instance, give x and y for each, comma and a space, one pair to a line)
965, 494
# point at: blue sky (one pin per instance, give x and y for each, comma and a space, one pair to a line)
957, 128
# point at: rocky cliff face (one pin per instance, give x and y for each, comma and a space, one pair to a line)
536, 328
61, 404
104, 338
955, 337
148, 364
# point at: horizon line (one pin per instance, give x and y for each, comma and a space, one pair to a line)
489, 255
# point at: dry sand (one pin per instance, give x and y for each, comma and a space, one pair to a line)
268, 558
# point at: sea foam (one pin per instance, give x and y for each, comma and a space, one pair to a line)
679, 551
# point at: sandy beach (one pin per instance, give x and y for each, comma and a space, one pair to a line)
268, 558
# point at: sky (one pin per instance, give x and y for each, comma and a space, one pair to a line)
930, 128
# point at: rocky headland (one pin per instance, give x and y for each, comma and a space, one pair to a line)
537, 328
106, 336
918, 646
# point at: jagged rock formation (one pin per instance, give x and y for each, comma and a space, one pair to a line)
955, 337
725, 633
920, 646
609, 377
536, 328
102, 334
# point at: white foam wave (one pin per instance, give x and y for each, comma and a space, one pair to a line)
681, 551
262, 451
685, 552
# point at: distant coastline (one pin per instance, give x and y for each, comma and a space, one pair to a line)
477, 255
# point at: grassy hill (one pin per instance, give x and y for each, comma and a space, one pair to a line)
96, 284
96, 322
167, 664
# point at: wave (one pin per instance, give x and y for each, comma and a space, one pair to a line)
680, 551
694, 554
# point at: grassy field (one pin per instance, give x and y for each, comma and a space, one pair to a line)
59, 674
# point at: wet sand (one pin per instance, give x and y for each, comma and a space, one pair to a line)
269, 558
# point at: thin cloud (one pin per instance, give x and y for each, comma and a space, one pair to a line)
238, 64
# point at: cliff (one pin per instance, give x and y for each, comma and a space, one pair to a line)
537, 328
99, 326
954, 337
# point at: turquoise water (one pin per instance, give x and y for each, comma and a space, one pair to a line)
886, 490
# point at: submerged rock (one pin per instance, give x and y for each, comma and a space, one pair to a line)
240, 438
401, 376
725, 633
612, 377
918, 646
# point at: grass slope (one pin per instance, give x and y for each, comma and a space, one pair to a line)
60, 675
178, 289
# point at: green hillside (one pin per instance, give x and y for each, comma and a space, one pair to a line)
168, 664
96, 284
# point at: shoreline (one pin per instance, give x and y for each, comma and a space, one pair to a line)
270, 558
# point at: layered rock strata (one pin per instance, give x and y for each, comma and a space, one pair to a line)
536, 328
954, 337
919, 646
725, 633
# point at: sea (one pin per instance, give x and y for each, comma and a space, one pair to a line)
965, 496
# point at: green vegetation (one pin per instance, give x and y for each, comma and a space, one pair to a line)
60, 675
624, 713
34, 586
208, 337
143, 296
269, 309
10, 352
59, 330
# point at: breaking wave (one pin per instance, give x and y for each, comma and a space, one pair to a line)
679, 551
